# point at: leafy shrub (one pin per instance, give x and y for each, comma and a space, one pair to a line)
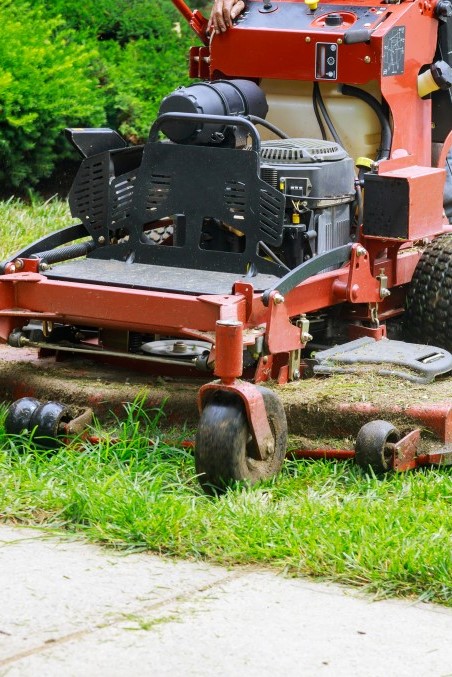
144, 47
47, 82
138, 76
120, 20
71, 63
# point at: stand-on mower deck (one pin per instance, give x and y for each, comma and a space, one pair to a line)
215, 249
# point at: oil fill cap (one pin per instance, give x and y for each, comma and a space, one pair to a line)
333, 19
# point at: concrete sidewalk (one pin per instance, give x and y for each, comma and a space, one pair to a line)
69, 608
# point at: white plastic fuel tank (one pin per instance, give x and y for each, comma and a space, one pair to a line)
291, 109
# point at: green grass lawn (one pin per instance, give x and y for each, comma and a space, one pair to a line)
21, 223
324, 519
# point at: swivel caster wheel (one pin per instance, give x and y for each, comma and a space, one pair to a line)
224, 449
19, 415
374, 447
46, 421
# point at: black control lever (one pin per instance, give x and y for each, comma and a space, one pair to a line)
267, 6
355, 35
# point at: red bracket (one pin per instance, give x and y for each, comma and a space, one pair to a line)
406, 456
22, 266
255, 411
196, 20
405, 451
361, 286
282, 335
247, 291
357, 331
199, 24
199, 60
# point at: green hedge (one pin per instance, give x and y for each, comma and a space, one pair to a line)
119, 20
47, 81
82, 63
143, 47
138, 77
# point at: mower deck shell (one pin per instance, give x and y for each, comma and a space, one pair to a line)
340, 404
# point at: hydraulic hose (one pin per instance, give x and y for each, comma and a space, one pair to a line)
386, 133
319, 100
72, 251
318, 117
260, 121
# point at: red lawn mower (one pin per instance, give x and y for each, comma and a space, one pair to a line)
286, 209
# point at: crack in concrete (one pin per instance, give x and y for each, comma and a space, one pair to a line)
118, 618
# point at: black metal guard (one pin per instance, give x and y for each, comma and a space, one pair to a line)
335, 257
192, 185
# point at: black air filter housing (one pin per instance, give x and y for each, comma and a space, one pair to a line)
222, 97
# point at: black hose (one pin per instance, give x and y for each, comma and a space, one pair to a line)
72, 251
260, 121
315, 105
326, 116
386, 133
272, 255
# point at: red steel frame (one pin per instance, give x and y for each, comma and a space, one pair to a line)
30, 295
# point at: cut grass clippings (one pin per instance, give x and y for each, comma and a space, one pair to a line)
392, 536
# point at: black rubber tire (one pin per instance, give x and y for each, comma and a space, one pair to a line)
159, 235
46, 420
428, 315
224, 449
19, 414
370, 446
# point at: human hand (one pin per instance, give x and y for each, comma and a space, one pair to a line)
222, 14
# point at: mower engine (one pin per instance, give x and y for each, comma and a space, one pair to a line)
316, 177
318, 182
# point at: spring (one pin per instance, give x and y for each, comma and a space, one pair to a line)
72, 251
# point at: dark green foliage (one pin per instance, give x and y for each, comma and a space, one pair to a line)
82, 63
119, 20
143, 46
47, 82
139, 75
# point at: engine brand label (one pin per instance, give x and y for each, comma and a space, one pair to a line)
394, 52
326, 61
